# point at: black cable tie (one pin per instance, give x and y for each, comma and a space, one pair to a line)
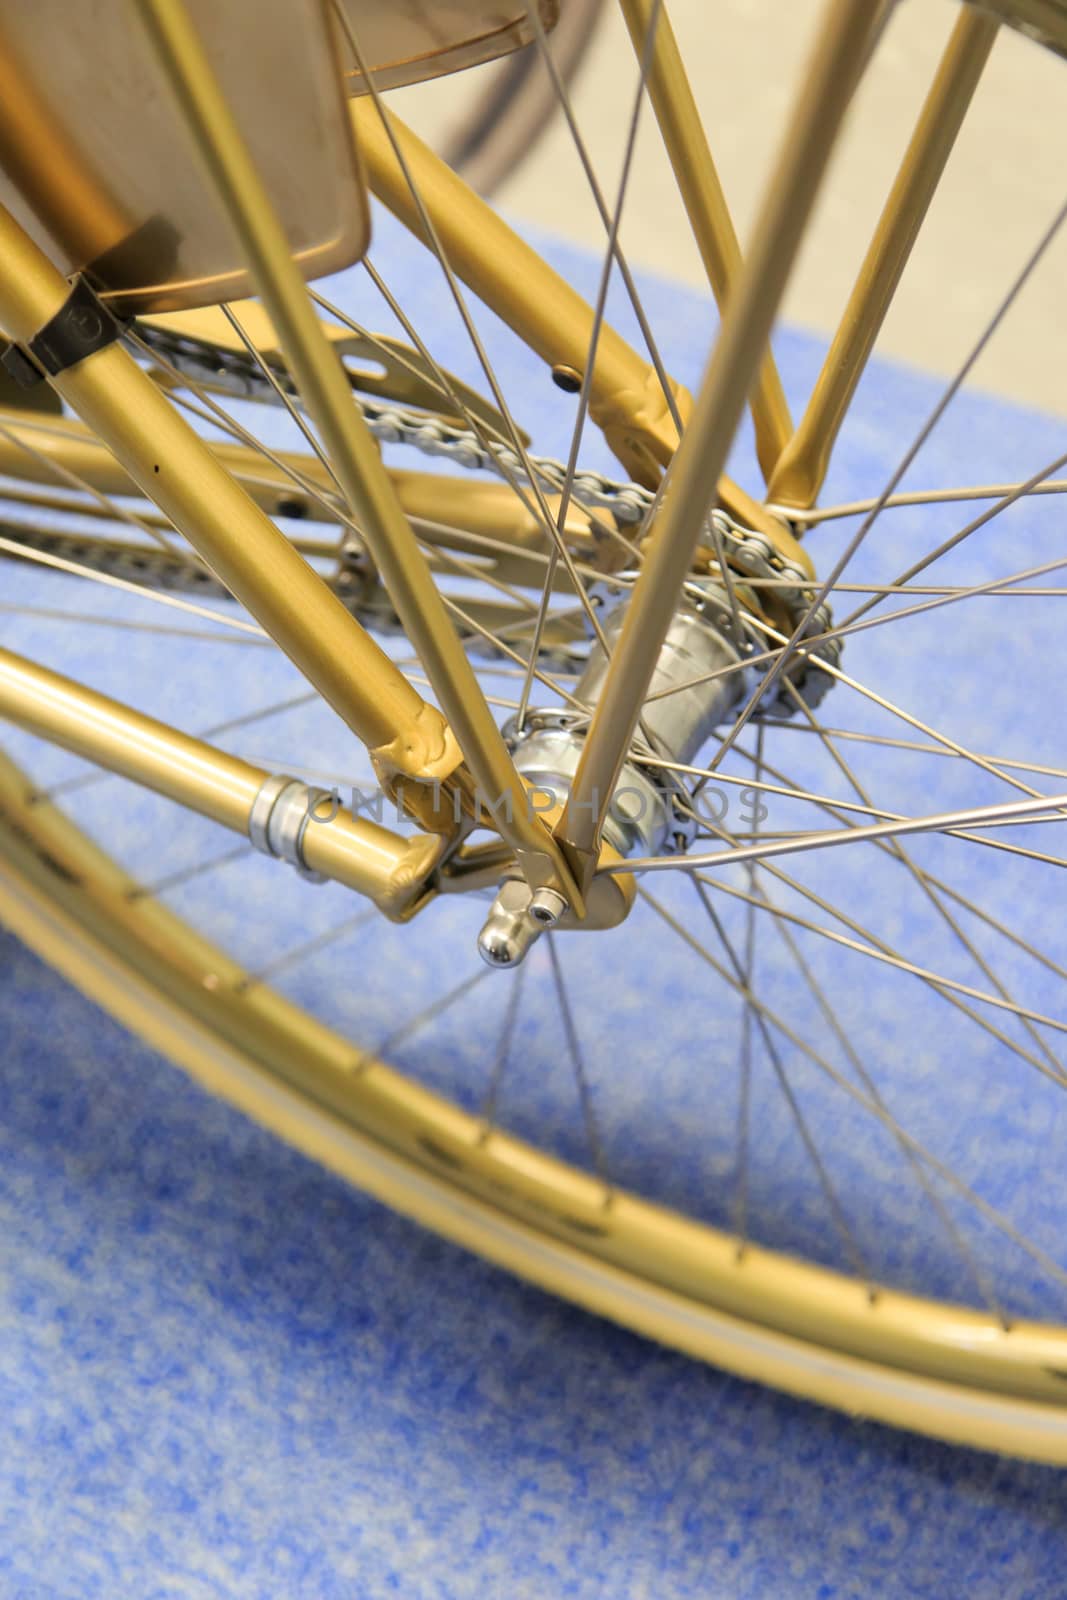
82, 326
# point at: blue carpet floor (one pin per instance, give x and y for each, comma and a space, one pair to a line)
224, 1374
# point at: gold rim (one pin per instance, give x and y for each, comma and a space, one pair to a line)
960, 1374
952, 1372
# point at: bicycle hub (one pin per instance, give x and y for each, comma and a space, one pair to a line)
696, 684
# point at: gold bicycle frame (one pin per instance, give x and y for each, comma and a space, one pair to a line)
470, 516
626, 398
801, 467
839, 57
390, 870
471, 729
709, 217
217, 496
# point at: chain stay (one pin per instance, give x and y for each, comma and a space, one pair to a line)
751, 554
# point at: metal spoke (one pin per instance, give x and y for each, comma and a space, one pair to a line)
948, 596
857, 1095
285, 399
942, 822
915, 722
833, 1201
946, 545
427, 1014
839, 808
54, 500
471, 570
44, 558
917, 497
581, 1078
942, 597
174, 880
87, 619
744, 1102
922, 1177
86, 780
826, 586
1040, 769
945, 989
503, 1054
833, 808
116, 512
306, 949
936, 980
761, 785
924, 883
499, 701
1006, 588
494, 669
473, 626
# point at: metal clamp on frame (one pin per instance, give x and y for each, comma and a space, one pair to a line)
82, 326
279, 819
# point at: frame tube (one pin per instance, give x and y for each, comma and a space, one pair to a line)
802, 467
705, 203
838, 60
176, 469
626, 399
391, 870
325, 390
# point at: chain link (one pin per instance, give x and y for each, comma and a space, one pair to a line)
750, 553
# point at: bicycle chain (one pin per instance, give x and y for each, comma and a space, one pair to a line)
751, 554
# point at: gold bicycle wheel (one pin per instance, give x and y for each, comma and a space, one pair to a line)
602, 1185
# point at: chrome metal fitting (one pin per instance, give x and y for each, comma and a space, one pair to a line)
512, 926
702, 659
279, 819
702, 640
547, 906
698, 682
547, 755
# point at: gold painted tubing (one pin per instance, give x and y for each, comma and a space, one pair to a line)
68, 444
626, 399
467, 504
325, 390
174, 467
800, 472
838, 59
390, 869
709, 217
